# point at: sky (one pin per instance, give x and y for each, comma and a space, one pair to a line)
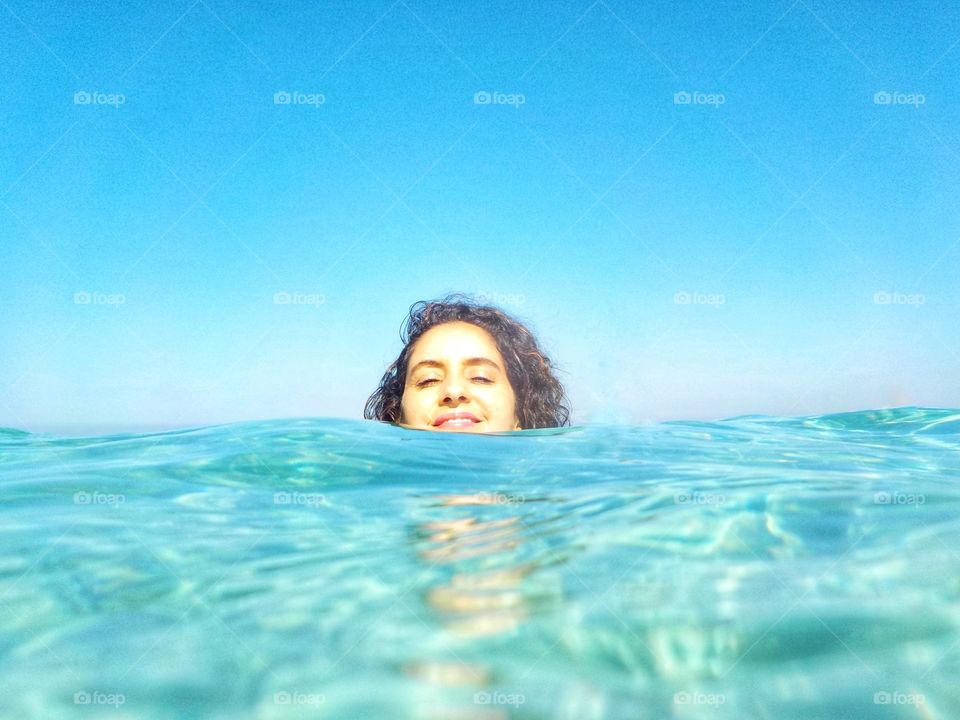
214, 211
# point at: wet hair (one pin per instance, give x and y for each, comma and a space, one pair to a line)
541, 401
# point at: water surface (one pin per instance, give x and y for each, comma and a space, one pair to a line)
749, 568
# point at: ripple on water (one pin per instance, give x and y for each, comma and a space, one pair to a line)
792, 566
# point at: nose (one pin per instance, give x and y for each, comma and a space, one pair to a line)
455, 392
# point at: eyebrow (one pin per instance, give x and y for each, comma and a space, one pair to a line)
468, 361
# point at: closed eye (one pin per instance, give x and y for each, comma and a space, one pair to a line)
424, 383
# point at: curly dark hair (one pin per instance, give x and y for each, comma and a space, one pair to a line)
541, 401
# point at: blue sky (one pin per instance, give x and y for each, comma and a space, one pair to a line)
703, 210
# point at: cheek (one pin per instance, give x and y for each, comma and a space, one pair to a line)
504, 400
513, 404
404, 406
409, 404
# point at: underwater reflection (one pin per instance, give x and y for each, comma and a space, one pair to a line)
491, 554
478, 599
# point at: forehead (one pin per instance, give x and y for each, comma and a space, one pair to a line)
454, 340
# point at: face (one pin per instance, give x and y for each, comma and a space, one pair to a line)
457, 381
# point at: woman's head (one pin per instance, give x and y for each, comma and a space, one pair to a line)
468, 367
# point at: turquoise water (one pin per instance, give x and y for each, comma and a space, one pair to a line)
749, 568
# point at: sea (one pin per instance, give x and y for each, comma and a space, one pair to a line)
753, 567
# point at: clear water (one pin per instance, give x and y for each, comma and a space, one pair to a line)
750, 568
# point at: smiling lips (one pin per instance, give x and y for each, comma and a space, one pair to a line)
456, 420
